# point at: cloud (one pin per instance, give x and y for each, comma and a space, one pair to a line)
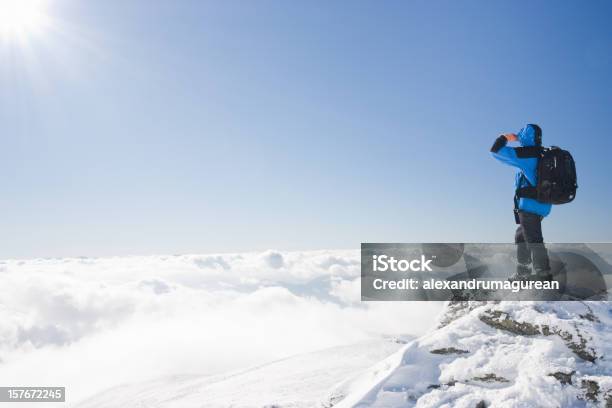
211, 262
273, 259
103, 322
346, 290
156, 285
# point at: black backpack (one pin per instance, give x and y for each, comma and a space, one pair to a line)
557, 181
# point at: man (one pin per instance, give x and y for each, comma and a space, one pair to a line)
529, 212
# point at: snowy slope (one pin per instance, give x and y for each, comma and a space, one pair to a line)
300, 381
505, 354
508, 354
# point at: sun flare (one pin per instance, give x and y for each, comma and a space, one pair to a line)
21, 18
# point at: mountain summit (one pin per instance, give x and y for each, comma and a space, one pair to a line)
496, 354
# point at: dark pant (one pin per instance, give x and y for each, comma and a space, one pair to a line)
530, 243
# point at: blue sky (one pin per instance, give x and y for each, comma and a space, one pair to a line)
172, 127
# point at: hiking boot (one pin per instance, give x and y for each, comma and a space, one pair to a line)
543, 275
522, 273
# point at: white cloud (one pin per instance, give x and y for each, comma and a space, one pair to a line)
95, 323
273, 259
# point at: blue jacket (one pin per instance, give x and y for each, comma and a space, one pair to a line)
525, 166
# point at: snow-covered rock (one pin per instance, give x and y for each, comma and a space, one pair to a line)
503, 354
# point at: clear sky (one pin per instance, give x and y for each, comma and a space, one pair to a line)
144, 126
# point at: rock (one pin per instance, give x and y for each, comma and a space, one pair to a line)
579, 348
481, 404
490, 378
563, 378
609, 401
591, 389
502, 321
448, 350
590, 317
437, 386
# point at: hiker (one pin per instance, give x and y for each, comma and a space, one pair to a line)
528, 212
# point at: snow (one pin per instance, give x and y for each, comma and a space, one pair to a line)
500, 367
299, 381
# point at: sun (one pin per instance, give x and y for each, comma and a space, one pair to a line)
21, 18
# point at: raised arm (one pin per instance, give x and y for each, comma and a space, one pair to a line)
503, 153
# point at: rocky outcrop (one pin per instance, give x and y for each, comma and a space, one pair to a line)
545, 354
501, 320
576, 341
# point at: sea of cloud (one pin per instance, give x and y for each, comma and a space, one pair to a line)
92, 323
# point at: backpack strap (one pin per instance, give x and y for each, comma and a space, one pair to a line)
529, 152
528, 191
